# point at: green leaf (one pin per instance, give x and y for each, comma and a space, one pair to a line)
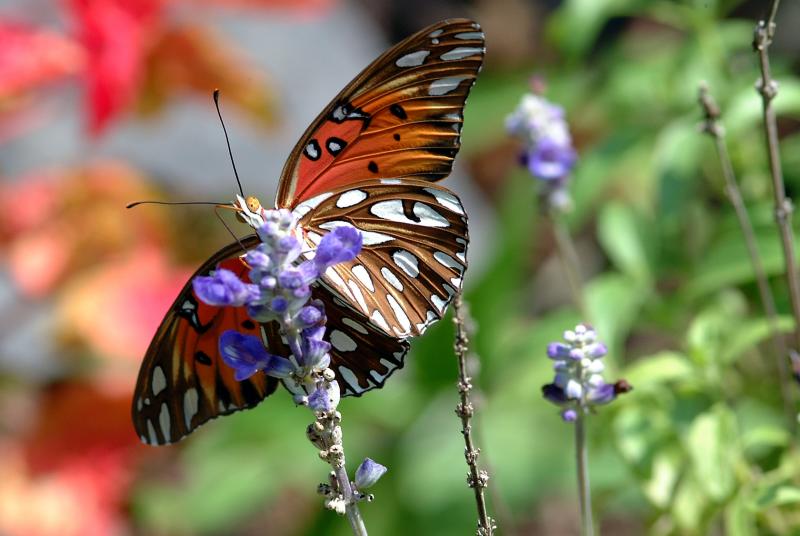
613, 302
712, 443
664, 367
689, 504
619, 231
778, 495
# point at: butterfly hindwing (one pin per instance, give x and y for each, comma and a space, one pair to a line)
183, 381
414, 254
362, 355
401, 116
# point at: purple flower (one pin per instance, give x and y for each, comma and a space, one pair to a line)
246, 355
368, 473
340, 245
311, 315
325, 399
578, 382
223, 288
551, 160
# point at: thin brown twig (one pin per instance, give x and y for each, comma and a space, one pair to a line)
768, 89
712, 126
476, 479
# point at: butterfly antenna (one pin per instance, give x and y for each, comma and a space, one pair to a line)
219, 216
137, 203
227, 141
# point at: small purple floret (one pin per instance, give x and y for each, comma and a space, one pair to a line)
223, 288
246, 355
368, 473
340, 245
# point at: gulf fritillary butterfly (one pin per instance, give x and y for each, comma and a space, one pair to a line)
371, 160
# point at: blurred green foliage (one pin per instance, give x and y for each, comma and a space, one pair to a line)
700, 446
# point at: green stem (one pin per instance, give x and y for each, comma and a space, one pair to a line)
582, 463
569, 260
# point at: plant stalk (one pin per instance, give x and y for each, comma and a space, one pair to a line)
768, 89
582, 465
713, 128
569, 261
476, 479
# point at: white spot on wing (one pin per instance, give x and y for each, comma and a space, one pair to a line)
151, 434
314, 237
469, 35
378, 318
163, 421
389, 276
371, 238
358, 295
460, 53
435, 33
190, 399
456, 281
361, 273
430, 318
354, 325
337, 280
342, 341
376, 376
444, 86
312, 151
350, 378
159, 380
429, 217
446, 260
438, 302
390, 181
350, 198
413, 59
400, 314
406, 262
306, 206
447, 200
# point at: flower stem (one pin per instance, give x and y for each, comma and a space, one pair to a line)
477, 479
351, 509
768, 89
582, 464
569, 261
714, 129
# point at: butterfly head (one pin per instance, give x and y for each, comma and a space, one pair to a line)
250, 211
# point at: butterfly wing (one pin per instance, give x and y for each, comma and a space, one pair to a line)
183, 381
414, 250
400, 117
362, 355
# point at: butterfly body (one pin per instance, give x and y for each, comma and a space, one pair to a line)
371, 159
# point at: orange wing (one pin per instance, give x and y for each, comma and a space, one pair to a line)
183, 381
400, 117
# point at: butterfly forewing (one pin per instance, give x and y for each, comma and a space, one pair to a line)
414, 253
401, 116
183, 381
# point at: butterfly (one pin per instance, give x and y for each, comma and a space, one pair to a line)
371, 159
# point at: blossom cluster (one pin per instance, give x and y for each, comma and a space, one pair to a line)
281, 274
547, 151
579, 383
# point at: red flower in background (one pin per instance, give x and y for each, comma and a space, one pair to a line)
32, 56
71, 472
116, 35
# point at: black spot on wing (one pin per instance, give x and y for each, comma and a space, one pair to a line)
373, 167
202, 358
312, 150
335, 145
248, 324
398, 111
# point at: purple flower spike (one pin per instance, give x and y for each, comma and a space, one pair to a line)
246, 355
315, 353
551, 160
603, 394
223, 288
340, 245
258, 259
310, 316
368, 473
